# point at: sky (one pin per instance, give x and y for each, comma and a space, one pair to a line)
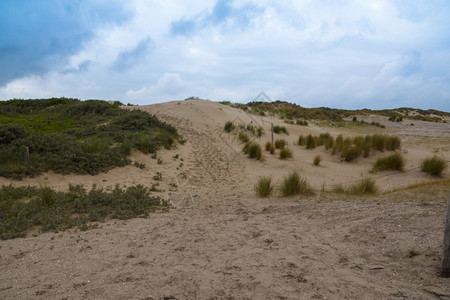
347, 54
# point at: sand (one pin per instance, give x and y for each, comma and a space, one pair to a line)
220, 241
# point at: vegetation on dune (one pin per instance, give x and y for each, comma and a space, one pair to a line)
351, 148
394, 161
264, 186
285, 153
294, 184
24, 208
317, 159
433, 165
253, 150
73, 136
280, 143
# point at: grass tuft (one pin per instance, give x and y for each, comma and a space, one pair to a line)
264, 187
285, 153
365, 186
433, 166
391, 162
253, 150
280, 144
229, 126
294, 184
317, 159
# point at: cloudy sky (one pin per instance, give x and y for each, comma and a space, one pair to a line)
336, 53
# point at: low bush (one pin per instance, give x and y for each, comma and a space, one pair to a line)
280, 129
285, 153
253, 150
391, 162
280, 144
294, 184
268, 146
229, 126
264, 187
433, 166
365, 186
301, 140
24, 208
310, 142
317, 159
243, 137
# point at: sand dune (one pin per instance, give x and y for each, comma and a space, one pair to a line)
222, 242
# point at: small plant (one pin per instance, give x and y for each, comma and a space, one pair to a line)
433, 166
264, 187
260, 131
280, 144
158, 176
272, 149
229, 126
268, 146
294, 184
392, 162
243, 137
317, 160
159, 161
365, 186
253, 150
280, 129
310, 142
139, 165
338, 188
301, 140
285, 153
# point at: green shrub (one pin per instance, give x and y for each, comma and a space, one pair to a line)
253, 150
268, 146
301, 140
350, 153
24, 208
229, 126
294, 184
280, 129
433, 166
260, 131
264, 187
243, 137
317, 159
391, 162
365, 186
280, 144
310, 142
272, 149
285, 153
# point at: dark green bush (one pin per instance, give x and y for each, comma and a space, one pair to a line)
433, 166
391, 162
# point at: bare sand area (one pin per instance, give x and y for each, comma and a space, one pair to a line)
220, 241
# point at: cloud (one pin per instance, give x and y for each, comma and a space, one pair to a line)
224, 13
37, 37
127, 59
168, 87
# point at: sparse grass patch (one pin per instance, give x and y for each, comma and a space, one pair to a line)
24, 208
280, 129
264, 187
285, 153
433, 166
253, 150
365, 186
243, 137
317, 159
229, 126
280, 144
394, 161
294, 184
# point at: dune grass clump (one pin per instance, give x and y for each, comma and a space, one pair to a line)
243, 137
317, 159
294, 184
301, 140
433, 166
264, 186
229, 126
280, 144
253, 150
391, 162
310, 142
280, 129
365, 186
268, 146
285, 153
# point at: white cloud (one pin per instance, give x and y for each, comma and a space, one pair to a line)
169, 87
